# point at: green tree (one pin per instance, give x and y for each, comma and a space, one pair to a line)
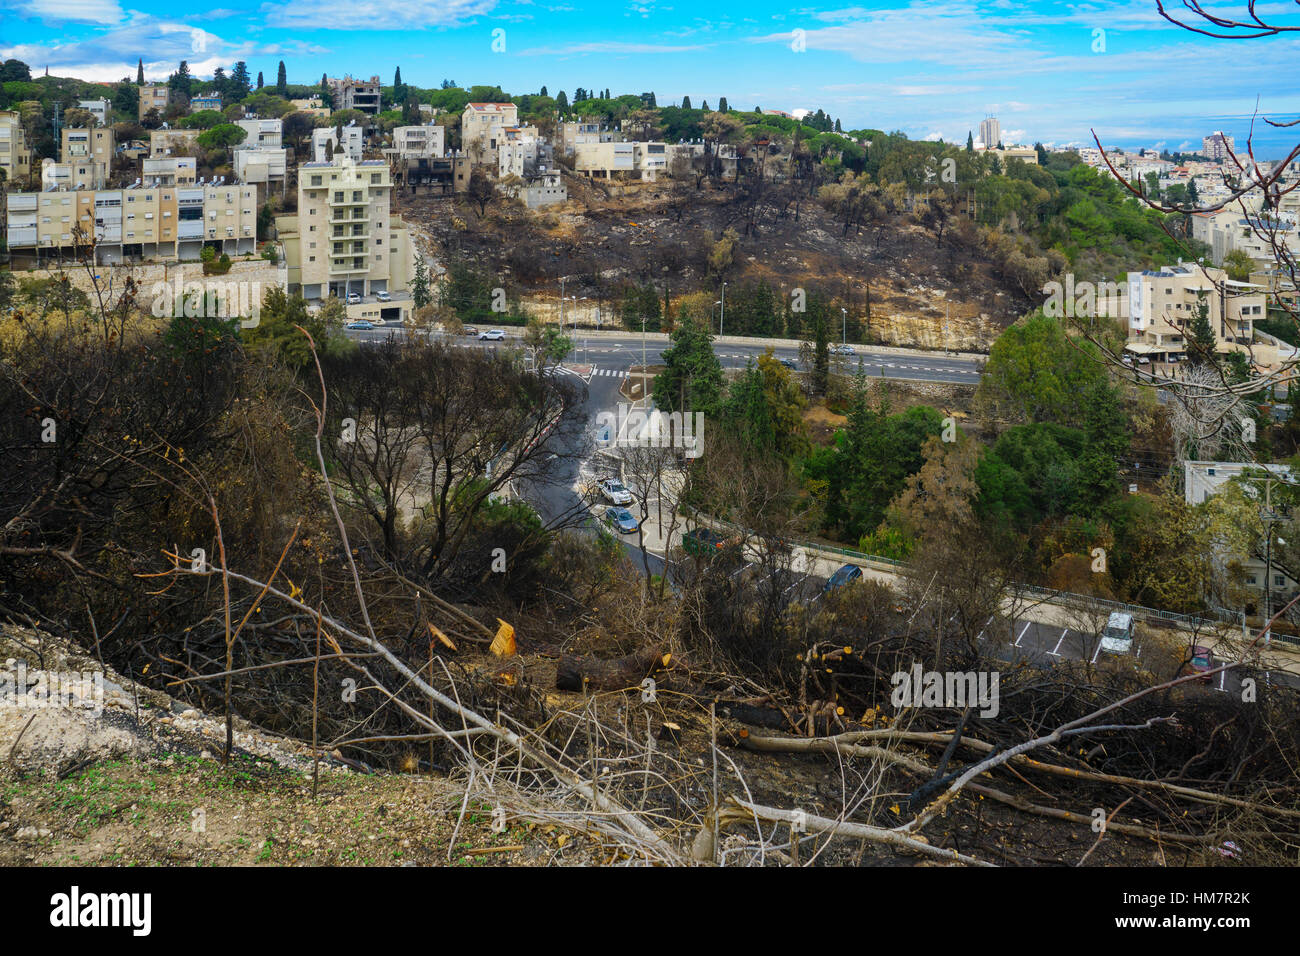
181, 82
1200, 336
1239, 265
282, 81
222, 136
420, 292
1036, 373
139, 72
692, 378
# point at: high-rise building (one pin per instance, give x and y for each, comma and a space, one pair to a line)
1216, 146
345, 240
990, 132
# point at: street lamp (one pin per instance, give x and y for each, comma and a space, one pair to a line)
722, 314
844, 324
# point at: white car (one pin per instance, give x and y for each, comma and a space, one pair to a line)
614, 492
383, 297
843, 350
353, 298
1118, 636
492, 335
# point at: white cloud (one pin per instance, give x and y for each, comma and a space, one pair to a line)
70, 11
374, 14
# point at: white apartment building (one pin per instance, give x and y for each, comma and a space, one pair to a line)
1162, 305
419, 142
1227, 230
262, 133
621, 160
585, 132
15, 154
101, 109
345, 238
266, 168
481, 129
351, 142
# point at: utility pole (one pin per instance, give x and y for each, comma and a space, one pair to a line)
722, 315
844, 324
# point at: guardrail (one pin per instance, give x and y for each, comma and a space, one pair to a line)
1050, 596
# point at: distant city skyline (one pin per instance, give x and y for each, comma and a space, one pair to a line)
1050, 72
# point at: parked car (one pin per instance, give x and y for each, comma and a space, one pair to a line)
492, 335
360, 324
1118, 636
353, 298
383, 297
1201, 663
613, 491
845, 575
470, 330
621, 520
702, 541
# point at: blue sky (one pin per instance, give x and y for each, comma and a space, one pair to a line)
932, 69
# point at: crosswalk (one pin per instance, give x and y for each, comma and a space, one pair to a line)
610, 372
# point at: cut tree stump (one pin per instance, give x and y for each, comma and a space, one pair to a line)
576, 671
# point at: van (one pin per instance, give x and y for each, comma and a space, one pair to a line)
1118, 636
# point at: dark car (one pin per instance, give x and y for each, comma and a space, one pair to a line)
845, 575
703, 541
790, 364
621, 520
1201, 663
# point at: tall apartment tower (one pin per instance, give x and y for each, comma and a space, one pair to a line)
1216, 146
990, 132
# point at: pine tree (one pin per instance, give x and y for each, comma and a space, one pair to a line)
260, 83
281, 81
686, 102
561, 101
705, 106
970, 142
139, 73
542, 92
180, 82
239, 81
220, 82
1200, 339
722, 104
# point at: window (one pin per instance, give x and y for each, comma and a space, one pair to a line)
1278, 580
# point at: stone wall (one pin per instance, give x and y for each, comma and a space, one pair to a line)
247, 280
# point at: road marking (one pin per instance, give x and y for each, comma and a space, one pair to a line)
1095, 653
1223, 676
1022, 633
1054, 651
980, 635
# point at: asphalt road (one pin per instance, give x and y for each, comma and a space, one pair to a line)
613, 355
